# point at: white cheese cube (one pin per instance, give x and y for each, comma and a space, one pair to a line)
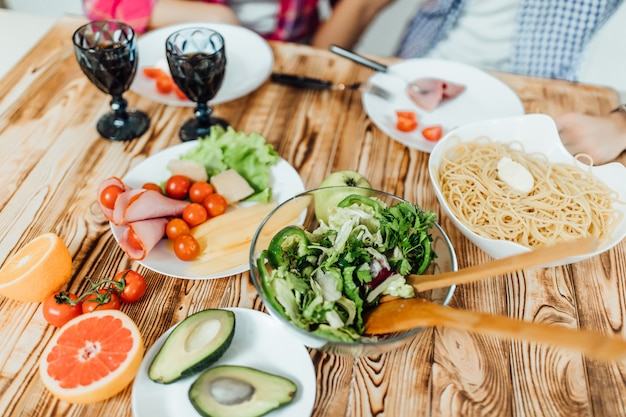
232, 186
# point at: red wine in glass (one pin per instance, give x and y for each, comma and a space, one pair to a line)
197, 61
107, 54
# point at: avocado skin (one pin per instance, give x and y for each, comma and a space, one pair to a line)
271, 392
170, 352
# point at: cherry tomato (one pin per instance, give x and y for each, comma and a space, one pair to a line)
215, 204
177, 186
131, 285
406, 114
133, 240
433, 133
199, 191
164, 84
405, 124
152, 186
109, 195
61, 307
186, 248
153, 72
195, 214
102, 299
176, 227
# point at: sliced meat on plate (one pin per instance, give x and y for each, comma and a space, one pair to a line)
429, 93
138, 238
141, 204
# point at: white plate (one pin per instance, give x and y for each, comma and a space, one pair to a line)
249, 61
254, 345
284, 180
485, 97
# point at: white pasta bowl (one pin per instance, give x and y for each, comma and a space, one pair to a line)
538, 134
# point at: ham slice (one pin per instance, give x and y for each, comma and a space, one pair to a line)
147, 232
141, 204
429, 93
144, 213
108, 213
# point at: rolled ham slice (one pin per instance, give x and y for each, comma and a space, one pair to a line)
148, 233
141, 204
108, 213
429, 93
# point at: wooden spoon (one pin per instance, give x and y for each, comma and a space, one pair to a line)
535, 257
405, 314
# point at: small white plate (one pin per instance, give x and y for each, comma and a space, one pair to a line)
254, 345
249, 62
284, 180
485, 97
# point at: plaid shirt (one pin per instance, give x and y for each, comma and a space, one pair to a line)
297, 19
550, 38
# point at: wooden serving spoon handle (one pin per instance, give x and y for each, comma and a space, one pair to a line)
405, 314
541, 256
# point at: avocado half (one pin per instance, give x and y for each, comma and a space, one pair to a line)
239, 391
195, 344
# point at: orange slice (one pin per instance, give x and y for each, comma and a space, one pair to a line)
92, 357
37, 270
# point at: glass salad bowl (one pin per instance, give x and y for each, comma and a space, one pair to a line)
321, 259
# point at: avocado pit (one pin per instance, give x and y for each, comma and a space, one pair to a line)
231, 391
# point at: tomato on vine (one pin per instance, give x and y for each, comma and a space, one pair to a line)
61, 307
102, 299
130, 285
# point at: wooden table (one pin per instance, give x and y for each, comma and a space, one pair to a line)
52, 160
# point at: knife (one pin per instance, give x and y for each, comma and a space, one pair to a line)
302, 82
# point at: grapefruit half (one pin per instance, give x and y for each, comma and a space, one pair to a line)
92, 357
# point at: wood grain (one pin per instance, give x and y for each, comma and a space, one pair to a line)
52, 159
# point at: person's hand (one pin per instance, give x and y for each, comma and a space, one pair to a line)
603, 138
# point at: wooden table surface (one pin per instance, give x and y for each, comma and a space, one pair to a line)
52, 160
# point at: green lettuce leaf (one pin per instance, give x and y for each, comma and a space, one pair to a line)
248, 154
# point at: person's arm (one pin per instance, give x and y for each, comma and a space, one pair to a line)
168, 12
347, 21
603, 138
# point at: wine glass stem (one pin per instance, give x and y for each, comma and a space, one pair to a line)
203, 114
118, 104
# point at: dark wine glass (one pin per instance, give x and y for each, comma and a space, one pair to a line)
107, 53
197, 61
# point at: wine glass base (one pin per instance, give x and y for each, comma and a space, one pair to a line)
111, 127
192, 130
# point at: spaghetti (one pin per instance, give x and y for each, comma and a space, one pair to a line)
565, 203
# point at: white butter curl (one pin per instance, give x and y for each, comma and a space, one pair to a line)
515, 175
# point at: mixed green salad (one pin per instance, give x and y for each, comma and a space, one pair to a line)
248, 154
323, 280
